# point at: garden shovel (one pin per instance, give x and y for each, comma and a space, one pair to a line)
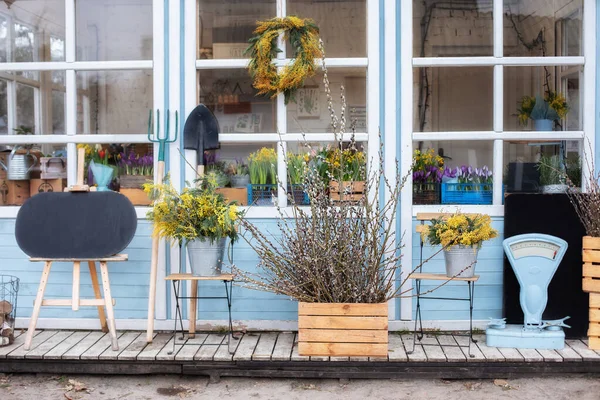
200, 133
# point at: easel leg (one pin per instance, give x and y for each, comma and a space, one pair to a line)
98, 294
76, 281
193, 309
38, 304
109, 306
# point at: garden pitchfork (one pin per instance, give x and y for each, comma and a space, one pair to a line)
162, 140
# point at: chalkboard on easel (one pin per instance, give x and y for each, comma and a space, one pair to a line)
78, 225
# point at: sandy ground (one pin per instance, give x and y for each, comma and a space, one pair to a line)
46, 387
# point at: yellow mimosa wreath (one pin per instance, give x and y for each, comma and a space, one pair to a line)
304, 38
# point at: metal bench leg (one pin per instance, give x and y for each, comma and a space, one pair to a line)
38, 304
229, 294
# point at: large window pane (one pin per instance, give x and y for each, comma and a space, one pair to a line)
5, 47
309, 111
535, 166
58, 112
3, 108
543, 28
114, 30
552, 86
452, 28
26, 27
225, 26
342, 24
114, 102
453, 99
231, 97
26, 109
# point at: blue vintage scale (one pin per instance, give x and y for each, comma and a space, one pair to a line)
534, 258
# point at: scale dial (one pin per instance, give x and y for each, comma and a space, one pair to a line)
534, 248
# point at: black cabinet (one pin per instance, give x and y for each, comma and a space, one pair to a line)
554, 215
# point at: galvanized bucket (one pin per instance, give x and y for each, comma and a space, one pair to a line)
461, 261
206, 259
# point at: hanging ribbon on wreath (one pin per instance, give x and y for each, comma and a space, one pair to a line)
303, 35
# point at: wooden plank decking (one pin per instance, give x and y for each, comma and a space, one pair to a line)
276, 355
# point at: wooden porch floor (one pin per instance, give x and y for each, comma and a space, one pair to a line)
275, 354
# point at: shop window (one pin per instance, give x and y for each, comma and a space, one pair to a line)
230, 96
347, 36
107, 30
224, 27
114, 102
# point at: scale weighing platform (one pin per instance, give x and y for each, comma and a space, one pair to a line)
534, 259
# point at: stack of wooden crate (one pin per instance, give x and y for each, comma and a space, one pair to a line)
591, 284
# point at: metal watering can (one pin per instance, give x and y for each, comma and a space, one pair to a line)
19, 165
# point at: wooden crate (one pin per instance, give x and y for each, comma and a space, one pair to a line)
343, 329
594, 327
591, 264
13, 193
347, 191
137, 196
239, 195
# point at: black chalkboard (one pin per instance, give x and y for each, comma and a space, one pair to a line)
554, 215
75, 225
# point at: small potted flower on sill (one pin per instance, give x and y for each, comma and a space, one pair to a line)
461, 236
262, 165
199, 218
239, 174
100, 163
544, 111
428, 172
553, 174
347, 171
134, 171
297, 166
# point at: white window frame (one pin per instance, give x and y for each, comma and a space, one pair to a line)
498, 135
71, 66
370, 62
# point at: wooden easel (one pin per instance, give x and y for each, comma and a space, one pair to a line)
75, 302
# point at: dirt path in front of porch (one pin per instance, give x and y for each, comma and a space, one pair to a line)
46, 387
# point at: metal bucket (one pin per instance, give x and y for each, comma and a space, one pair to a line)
206, 259
461, 261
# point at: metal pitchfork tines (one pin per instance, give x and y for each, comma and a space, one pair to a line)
164, 138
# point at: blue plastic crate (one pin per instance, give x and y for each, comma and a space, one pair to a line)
467, 193
264, 195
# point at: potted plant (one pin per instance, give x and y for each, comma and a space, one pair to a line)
296, 167
428, 171
467, 185
135, 170
339, 260
543, 110
100, 164
239, 174
552, 174
262, 165
460, 236
199, 218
